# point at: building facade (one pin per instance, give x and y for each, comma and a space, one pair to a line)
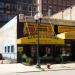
51, 48
22, 44
10, 8
56, 5
8, 46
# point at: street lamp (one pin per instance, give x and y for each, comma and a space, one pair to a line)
37, 18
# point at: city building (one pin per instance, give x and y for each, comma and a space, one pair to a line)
8, 46
11, 8
56, 5
19, 37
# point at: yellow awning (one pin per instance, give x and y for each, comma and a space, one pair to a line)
26, 40
67, 35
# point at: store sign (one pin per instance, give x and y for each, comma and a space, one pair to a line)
65, 28
44, 29
70, 35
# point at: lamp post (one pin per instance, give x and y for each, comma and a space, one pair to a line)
37, 18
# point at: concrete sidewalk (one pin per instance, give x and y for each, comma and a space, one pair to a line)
12, 68
54, 67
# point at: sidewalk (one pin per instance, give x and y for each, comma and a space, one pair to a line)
17, 67
55, 67
13, 68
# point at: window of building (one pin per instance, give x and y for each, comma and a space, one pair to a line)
1, 5
60, 8
55, 9
8, 49
64, 2
68, 3
60, 2
50, 1
4, 17
9, 0
1, 0
30, 8
19, 7
54, 1
12, 49
30, 1
7, 5
44, 7
13, 6
5, 49
7, 12
44, 1
25, 7
35, 9
34, 1
1, 11
9, 17
25, 1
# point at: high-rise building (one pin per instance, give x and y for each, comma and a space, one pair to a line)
10, 8
56, 5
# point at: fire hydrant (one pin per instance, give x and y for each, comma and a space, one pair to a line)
49, 66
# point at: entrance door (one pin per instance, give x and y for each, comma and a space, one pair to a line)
73, 50
56, 53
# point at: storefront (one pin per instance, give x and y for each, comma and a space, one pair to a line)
51, 48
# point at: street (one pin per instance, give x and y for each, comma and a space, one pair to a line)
60, 72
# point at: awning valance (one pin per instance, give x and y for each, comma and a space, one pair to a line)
26, 40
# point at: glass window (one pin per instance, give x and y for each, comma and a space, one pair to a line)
34, 1
5, 49
72, 2
7, 5
44, 7
13, 6
44, 1
50, 1
55, 9
12, 49
7, 12
60, 8
25, 1
54, 1
64, 2
30, 1
60, 2
29, 8
8, 49
19, 7
34, 9
1, 11
9, 17
24, 6
4, 17
68, 3
1, 5
1, 17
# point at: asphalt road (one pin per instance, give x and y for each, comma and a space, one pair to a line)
61, 72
